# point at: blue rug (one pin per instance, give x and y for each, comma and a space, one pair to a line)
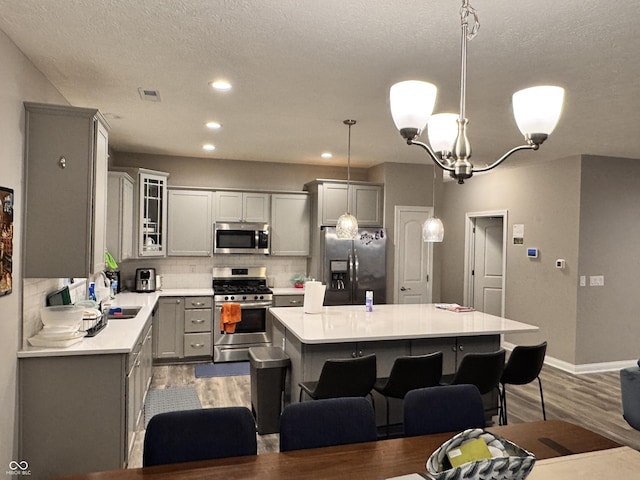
226, 369
171, 399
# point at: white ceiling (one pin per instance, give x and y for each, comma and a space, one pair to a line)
300, 67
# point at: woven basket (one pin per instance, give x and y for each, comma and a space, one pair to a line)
515, 465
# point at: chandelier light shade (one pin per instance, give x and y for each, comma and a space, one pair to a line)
411, 103
537, 111
347, 225
433, 230
442, 130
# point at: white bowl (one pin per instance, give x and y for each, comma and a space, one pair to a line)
62, 316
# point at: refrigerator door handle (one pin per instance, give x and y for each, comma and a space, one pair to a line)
356, 264
351, 268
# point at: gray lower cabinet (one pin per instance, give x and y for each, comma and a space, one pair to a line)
78, 413
288, 300
183, 329
66, 155
168, 331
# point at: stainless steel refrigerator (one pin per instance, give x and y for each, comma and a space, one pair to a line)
351, 267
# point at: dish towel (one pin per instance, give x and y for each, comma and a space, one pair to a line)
231, 314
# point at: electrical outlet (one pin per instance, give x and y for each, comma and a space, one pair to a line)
596, 281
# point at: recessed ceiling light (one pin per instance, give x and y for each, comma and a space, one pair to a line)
208, 147
213, 125
326, 155
221, 85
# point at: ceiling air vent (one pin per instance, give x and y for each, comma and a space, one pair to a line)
149, 95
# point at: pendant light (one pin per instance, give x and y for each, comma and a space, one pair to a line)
432, 228
347, 226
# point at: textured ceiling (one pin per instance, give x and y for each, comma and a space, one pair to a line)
300, 67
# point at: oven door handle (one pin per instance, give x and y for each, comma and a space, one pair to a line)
249, 305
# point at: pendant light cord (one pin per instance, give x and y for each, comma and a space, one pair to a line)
350, 123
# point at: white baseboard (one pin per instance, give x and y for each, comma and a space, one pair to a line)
583, 368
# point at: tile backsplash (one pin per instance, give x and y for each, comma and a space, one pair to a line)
181, 272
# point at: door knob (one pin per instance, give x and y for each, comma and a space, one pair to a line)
404, 289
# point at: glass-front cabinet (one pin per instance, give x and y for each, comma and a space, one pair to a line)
152, 233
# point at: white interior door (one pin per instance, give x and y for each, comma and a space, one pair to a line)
412, 279
488, 265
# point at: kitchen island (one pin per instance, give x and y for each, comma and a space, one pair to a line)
389, 331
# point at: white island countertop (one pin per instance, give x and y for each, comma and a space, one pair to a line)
120, 335
350, 323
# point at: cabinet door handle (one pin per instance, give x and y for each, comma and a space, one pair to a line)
453, 349
197, 345
354, 354
294, 302
201, 320
360, 353
197, 304
177, 301
461, 348
62, 163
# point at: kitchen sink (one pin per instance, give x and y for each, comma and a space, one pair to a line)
122, 313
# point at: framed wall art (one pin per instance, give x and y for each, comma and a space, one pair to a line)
6, 240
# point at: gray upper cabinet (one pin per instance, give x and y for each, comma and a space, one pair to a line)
290, 224
190, 223
331, 197
232, 206
152, 213
66, 153
120, 231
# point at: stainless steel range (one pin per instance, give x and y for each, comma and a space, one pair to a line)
246, 286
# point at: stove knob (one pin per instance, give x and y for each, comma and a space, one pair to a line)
232, 297
244, 297
261, 297
226, 298
255, 297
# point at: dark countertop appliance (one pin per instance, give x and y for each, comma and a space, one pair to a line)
145, 279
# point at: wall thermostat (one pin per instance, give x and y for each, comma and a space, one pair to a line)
532, 252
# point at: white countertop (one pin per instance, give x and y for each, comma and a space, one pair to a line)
119, 336
350, 323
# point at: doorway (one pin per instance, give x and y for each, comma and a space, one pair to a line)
485, 261
413, 258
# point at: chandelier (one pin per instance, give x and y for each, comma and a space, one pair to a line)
536, 111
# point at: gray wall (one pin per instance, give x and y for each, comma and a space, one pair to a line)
408, 185
215, 173
20, 81
608, 326
545, 198
583, 209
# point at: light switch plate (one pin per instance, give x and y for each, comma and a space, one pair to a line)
596, 281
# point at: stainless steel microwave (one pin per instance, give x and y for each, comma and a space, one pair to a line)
240, 237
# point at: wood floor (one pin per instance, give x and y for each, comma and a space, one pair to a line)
589, 400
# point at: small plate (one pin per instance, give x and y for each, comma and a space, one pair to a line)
38, 341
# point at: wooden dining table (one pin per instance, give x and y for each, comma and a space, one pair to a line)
372, 460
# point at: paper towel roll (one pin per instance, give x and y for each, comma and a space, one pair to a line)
313, 297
